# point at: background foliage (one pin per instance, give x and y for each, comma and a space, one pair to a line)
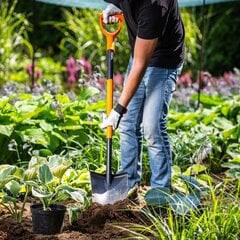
219, 22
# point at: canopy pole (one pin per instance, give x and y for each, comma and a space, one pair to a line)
33, 45
202, 53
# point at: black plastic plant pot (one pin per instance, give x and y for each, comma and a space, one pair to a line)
47, 221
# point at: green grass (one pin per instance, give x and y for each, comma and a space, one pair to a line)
218, 218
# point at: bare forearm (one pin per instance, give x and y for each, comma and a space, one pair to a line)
132, 83
142, 54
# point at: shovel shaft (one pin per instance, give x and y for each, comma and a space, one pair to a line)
109, 88
109, 108
109, 162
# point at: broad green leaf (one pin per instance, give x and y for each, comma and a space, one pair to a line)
5, 181
209, 118
72, 127
6, 171
228, 132
59, 170
236, 159
195, 169
63, 98
44, 174
31, 183
225, 110
176, 170
60, 136
76, 194
46, 126
158, 196
19, 173
58, 165
73, 118
86, 93
28, 112
182, 204
36, 161
7, 129
234, 111
3, 102
70, 175
207, 100
41, 194
7, 199
35, 136
222, 123
30, 174
233, 173
205, 179
193, 184
232, 165
22, 107
97, 106
85, 176
42, 152
233, 150
14, 187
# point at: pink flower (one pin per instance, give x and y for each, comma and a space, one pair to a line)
101, 83
29, 69
86, 65
71, 66
38, 74
72, 71
118, 79
185, 79
71, 79
228, 77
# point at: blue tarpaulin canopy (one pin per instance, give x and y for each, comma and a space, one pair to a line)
100, 4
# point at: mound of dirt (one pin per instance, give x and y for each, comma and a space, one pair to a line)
97, 222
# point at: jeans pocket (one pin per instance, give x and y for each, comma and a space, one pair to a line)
170, 86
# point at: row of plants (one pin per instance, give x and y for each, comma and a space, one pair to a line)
57, 123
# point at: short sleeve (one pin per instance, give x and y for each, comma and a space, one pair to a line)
151, 21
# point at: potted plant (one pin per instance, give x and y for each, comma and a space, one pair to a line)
47, 185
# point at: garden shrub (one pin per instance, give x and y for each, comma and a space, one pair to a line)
14, 40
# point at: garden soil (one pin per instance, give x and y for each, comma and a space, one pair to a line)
97, 222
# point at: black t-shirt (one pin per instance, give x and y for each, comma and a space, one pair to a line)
160, 19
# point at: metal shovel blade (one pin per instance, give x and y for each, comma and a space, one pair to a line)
109, 193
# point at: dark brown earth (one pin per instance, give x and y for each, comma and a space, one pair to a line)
97, 222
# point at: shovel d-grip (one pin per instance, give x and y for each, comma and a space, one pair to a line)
111, 35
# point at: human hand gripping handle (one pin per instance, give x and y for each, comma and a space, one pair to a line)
109, 12
114, 117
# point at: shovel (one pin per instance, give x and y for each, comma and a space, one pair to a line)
109, 188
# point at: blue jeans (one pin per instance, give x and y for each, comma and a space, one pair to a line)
147, 116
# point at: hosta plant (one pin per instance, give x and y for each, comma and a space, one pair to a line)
47, 184
13, 191
179, 202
